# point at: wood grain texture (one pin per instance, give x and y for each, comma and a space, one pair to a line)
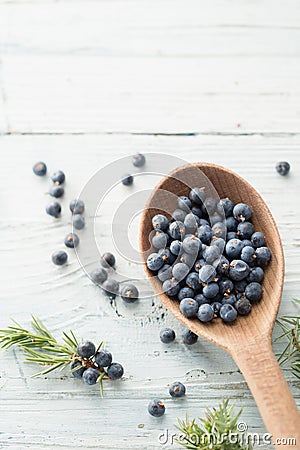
83, 83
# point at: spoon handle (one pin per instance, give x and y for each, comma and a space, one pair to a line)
270, 391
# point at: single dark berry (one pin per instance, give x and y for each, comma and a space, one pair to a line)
188, 337
238, 270
225, 206
258, 239
127, 180
110, 288
53, 209
243, 306
129, 293
185, 292
71, 240
155, 262
78, 221
210, 290
228, 313
234, 248
79, 369
165, 273
58, 177
59, 258
205, 234
179, 215
176, 247
189, 307
40, 169
98, 275
177, 389
201, 300
205, 313
138, 160
223, 266
184, 203
191, 223
228, 299
216, 307
166, 255
197, 195
56, 191
107, 260
207, 274
245, 230
171, 287
180, 271
90, 376
176, 230
248, 255
231, 224
283, 168
193, 281
160, 222
160, 239
256, 274
167, 335
103, 358
263, 256
115, 371
242, 212
86, 349
156, 408
254, 292
76, 206
226, 286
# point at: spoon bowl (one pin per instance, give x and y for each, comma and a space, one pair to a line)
248, 339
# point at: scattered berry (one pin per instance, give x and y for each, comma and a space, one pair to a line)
58, 177
56, 191
53, 209
127, 180
40, 169
167, 335
107, 260
189, 338
129, 293
138, 160
156, 408
78, 221
283, 168
59, 258
177, 389
77, 206
98, 275
71, 240
110, 288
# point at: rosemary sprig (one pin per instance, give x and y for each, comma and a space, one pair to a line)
41, 347
290, 356
218, 430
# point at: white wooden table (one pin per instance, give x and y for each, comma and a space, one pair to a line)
83, 83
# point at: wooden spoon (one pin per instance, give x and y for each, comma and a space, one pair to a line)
248, 340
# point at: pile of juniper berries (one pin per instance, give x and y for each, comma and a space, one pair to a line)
209, 257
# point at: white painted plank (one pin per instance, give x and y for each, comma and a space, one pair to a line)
96, 94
